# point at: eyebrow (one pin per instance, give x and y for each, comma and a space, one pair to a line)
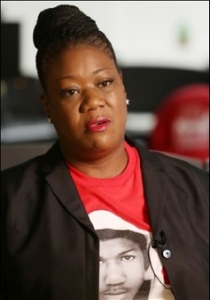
74, 76
122, 253
125, 252
66, 77
100, 70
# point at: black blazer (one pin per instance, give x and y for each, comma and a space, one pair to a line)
49, 247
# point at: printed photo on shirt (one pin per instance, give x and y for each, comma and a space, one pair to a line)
125, 268
123, 263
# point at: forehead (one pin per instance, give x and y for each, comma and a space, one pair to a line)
118, 245
80, 60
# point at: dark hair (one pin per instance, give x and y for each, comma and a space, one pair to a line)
136, 237
65, 26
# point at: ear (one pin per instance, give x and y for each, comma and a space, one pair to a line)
45, 105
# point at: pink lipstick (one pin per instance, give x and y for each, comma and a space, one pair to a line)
98, 124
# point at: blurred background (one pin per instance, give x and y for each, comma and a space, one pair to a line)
163, 50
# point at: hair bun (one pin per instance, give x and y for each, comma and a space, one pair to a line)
65, 17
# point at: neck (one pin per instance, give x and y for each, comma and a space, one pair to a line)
107, 166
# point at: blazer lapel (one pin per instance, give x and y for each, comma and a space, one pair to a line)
59, 180
155, 187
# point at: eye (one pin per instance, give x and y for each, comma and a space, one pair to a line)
127, 257
105, 83
68, 92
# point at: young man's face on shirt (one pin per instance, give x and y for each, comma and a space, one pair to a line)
121, 269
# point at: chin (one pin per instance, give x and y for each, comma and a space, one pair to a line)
103, 142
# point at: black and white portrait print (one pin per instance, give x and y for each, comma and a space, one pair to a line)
125, 270
123, 263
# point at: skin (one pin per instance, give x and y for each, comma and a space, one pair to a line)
121, 269
83, 85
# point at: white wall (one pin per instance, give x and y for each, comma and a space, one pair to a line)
142, 32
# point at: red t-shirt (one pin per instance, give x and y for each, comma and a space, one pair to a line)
118, 205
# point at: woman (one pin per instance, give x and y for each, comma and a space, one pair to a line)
50, 248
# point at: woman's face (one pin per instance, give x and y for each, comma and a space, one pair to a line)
86, 100
121, 269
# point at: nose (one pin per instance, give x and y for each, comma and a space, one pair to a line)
114, 274
92, 100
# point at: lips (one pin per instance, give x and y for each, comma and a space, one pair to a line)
98, 124
115, 292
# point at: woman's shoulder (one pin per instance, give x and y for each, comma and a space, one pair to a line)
32, 167
177, 168
25, 169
